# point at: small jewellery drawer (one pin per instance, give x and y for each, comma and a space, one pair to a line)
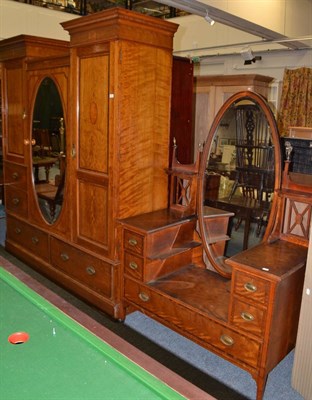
133, 242
32, 239
209, 332
133, 265
16, 201
15, 174
86, 269
248, 317
251, 287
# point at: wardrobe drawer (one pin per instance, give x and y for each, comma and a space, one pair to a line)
16, 201
16, 174
86, 269
32, 239
133, 265
209, 332
133, 242
248, 317
251, 287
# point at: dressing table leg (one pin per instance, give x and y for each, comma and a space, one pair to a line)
261, 382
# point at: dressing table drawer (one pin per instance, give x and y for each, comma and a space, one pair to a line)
251, 287
209, 332
133, 242
32, 239
86, 269
133, 265
248, 317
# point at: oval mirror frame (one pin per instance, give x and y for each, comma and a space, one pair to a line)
218, 263
48, 148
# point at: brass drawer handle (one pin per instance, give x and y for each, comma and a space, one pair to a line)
15, 175
247, 316
143, 296
250, 287
132, 242
17, 230
35, 240
90, 270
64, 257
133, 265
227, 340
15, 201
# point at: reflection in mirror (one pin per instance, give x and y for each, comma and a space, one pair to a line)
238, 171
48, 149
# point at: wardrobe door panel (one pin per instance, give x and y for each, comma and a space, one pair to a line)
144, 79
93, 111
93, 213
16, 111
93, 179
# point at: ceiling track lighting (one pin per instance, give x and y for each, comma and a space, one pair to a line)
248, 56
199, 8
208, 19
248, 62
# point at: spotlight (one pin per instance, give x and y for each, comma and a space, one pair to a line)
249, 57
208, 19
247, 54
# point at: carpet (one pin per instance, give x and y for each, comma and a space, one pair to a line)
278, 384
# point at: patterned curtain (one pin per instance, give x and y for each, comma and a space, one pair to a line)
296, 100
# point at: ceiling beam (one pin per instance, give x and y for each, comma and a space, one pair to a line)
198, 8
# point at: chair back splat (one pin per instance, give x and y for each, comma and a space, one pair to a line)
254, 154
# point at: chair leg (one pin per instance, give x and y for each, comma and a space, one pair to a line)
233, 190
238, 223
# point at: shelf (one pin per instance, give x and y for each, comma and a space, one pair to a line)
175, 250
217, 239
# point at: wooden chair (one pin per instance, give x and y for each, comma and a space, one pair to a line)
254, 162
52, 194
254, 154
42, 142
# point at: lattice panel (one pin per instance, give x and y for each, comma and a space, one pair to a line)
297, 218
183, 191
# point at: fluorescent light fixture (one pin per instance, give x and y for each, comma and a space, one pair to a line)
208, 19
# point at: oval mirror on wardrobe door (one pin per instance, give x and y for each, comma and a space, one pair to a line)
48, 149
240, 170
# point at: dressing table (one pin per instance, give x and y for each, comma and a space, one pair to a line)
244, 308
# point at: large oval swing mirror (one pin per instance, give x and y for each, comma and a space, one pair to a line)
240, 170
48, 149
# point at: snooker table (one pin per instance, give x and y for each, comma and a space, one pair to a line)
62, 354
